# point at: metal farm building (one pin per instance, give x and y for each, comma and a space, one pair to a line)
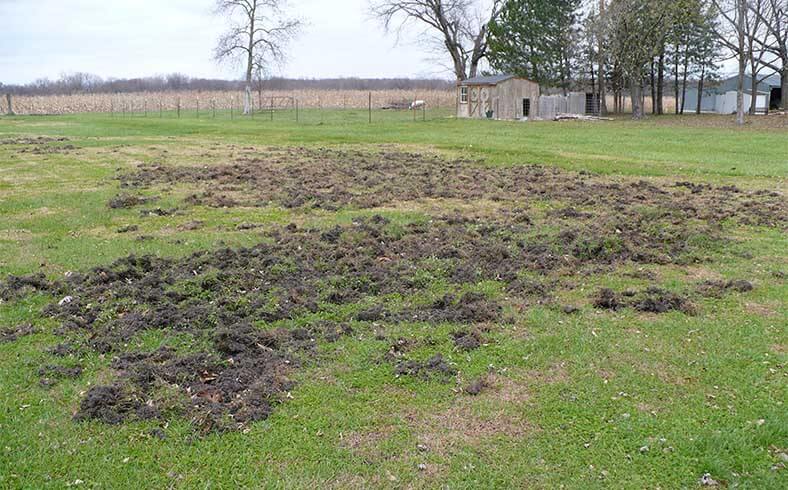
497, 97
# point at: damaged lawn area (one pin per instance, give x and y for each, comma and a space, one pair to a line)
182, 311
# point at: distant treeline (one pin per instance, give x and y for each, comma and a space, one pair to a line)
85, 83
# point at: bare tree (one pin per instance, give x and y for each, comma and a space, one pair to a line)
757, 37
602, 63
258, 36
774, 15
458, 26
731, 30
636, 28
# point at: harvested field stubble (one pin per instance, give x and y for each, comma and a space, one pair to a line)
257, 314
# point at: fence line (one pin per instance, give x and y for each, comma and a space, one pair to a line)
194, 101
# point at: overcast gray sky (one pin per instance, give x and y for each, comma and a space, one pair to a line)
130, 38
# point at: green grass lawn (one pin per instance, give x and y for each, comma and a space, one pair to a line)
597, 399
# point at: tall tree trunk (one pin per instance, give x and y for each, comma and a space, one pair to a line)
699, 106
676, 79
248, 101
602, 75
684, 79
661, 81
653, 90
741, 6
753, 90
593, 88
784, 91
636, 92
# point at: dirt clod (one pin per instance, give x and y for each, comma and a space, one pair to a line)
330, 178
434, 367
650, 300
128, 229
467, 341
13, 334
476, 387
125, 201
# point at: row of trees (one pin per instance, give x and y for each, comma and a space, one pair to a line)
85, 83
617, 45
620, 45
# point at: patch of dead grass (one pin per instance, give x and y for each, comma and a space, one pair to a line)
475, 421
761, 309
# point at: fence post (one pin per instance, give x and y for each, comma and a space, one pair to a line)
272, 108
213, 106
296, 108
111, 108
161, 109
198, 108
10, 104
232, 108
178, 103
145, 107
424, 111
370, 107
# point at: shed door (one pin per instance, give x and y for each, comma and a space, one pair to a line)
474, 101
526, 107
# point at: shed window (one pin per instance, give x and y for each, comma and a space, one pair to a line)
464, 95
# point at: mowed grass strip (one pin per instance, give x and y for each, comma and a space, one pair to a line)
591, 399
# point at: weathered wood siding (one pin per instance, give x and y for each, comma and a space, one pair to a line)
505, 100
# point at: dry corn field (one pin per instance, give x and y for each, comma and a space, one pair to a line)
169, 101
140, 102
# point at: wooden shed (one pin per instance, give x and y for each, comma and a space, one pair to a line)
497, 97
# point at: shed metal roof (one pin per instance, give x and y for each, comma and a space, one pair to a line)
730, 84
773, 81
487, 80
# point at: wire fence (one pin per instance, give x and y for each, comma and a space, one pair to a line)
319, 106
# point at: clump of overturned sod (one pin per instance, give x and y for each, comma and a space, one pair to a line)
228, 301
331, 179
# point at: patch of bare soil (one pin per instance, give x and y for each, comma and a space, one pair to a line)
124, 201
650, 300
232, 303
48, 149
227, 300
34, 140
13, 334
331, 179
717, 288
40, 145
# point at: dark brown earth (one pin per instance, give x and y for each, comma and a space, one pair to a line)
255, 315
13, 334
330, 179
650, 300
36, 140
231, 301
40, 145
122, 201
